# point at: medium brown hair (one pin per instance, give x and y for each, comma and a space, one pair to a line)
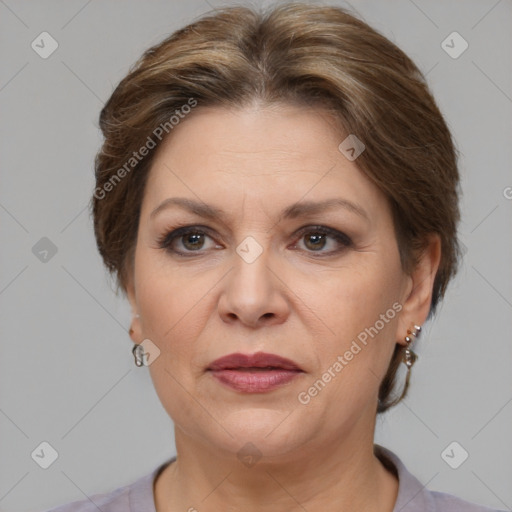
295, 53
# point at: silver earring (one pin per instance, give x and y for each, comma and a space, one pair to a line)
138, 354
410, 357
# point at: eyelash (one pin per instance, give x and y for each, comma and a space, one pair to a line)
165, 241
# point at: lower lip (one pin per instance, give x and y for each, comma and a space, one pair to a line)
255, 381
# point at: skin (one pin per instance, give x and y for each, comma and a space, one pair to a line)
299, 299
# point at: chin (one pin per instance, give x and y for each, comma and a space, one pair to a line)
267, 432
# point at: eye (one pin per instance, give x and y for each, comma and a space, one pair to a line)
316, 239
187, 240
191, 238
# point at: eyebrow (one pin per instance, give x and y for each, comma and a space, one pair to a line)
296, 210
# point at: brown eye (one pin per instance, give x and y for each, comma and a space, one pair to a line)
315, 241
184, 241
193, 241
318, 238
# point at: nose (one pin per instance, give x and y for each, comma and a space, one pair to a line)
254, 294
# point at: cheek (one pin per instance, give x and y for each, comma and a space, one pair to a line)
174, 308
170, 314
354, 297
361, 307
165, 297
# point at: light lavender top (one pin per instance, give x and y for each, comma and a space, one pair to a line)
412, 495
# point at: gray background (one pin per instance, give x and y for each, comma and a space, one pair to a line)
66, 370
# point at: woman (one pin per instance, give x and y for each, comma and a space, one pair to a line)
277, 195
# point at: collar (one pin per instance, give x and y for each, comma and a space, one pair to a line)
412, 494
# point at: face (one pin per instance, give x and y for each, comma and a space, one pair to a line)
268, 272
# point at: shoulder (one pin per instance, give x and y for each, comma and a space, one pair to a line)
449, 503
113, 501
132, 497
413, 496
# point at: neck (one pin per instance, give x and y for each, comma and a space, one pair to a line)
340, 474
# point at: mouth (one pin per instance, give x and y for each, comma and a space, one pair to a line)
257, 361
254, 373
255, 369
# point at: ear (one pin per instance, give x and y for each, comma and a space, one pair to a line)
418, 290
135, 327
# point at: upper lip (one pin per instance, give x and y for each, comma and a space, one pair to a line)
257, 360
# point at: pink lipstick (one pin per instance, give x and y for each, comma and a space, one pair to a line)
254, 373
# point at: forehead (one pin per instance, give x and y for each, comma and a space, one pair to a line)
272, 153
255, 134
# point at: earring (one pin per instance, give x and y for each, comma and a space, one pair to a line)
138, 349
138, 354
410, 357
